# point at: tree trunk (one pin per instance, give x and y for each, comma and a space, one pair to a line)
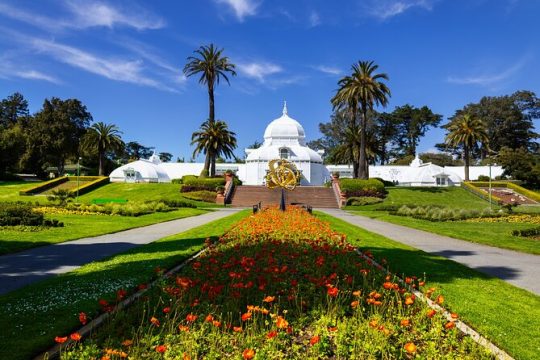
467, 160
206, 168
101, 156
364, 170
211, 111
213, 166
61, 167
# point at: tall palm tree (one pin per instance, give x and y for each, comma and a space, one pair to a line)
103, 138
467, 131
214, 139
210, 63
362, 90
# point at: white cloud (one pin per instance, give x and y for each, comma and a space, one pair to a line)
86, 14
241, 8
385, 9
36, 75
259, 70
328, 69
130, 71
314, 19
10, 68
488, 79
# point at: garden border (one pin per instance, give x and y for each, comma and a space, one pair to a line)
464, 328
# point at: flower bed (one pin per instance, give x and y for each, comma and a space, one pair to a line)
278, 285
517, 218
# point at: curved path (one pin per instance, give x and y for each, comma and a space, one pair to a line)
25, 267
519, 269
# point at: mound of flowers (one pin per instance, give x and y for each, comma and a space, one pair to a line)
279, 285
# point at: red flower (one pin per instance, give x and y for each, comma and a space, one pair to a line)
161, 349
431, 313
271, 334
440, 299
449, 325
209, 318
248, 354
332, 291
237, 329
60, 340
82, 318
120, 294
191, 317
75, 336
281, 322
246, 316
166, 310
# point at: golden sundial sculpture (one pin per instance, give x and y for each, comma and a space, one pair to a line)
283, 174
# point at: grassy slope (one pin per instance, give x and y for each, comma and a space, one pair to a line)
494, 234
9, 191
80, 226
507, 315
31, 317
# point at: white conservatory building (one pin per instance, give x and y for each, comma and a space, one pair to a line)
284, 138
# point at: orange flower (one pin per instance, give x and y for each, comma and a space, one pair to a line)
161, 349
246, 316
410, 347
430, 313
332, 328
185, 356
191, 317
354, 303
105, 357
271, 334
75, 336
440, 299
183, 328
237, 329
405, 322
357, 293
409, 300
269, 299
155, 321
373, 323
127, 342
82, 318
449, 325
216, 323
60, 340
248, 354
388, 285
454, 316
315, 339
281, 322
209, 318
332, 291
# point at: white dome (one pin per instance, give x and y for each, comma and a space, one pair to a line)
140, 171
284, 130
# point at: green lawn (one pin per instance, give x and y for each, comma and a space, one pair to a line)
31, 317
507, 315
79, 226
9, 191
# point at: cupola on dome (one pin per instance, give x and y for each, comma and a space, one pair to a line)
284, 130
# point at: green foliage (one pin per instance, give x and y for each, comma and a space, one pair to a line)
474, 188
435, 213
175, 203
14, 214
193, 183
202, 195
359, 187
527, 232
60, 196
521, 164
483, 178
364, 200
101, 139
126, 209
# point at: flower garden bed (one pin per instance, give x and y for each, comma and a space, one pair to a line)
279, 285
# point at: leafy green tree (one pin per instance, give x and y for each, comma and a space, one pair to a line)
212, 66
165, 156
520, 164
411, 123
13, 109
466, 130
13, 115
135, 151
54, 134
361, 91
214, 139
101, 139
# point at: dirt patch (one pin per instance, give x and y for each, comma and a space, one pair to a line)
509, 196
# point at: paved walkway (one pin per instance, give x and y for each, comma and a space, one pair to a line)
519, 269
25, 267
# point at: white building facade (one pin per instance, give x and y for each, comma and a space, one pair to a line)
284, 138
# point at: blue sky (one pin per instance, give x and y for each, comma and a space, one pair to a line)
123, 59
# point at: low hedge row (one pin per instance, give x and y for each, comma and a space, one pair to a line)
527, 232
44, 186
361, 201
360, 188
510, 185
98, 181
475, 190
13, 214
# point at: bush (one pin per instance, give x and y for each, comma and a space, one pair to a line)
176, 181
366, 200
359, 188
13, 214
175, 203
436, 213
385, 182
127, 209
527, 232
193, 183
483, 178
204, 195
60, 196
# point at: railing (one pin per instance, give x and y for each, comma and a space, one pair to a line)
337, 193
229, 190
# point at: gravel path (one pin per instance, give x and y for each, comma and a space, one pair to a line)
26, 267
519, 269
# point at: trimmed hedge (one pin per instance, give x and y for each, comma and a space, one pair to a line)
12, 214
359, 188
527, 232
366, 200
44, 186
510, 185
480, 193
97, 182
207, 196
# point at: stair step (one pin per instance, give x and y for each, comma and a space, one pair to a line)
315, 196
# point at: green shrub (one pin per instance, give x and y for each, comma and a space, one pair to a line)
386, 183
176, 181
60, 196
483, 178
358, 187
95, 182
44, 186
436, 213
366, 200
175, 203
192, 183
204, 195
527, 232
127, 209
13, 214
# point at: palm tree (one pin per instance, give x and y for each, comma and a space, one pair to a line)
103, 138
362, 90
214, 139
466, 130
212, 66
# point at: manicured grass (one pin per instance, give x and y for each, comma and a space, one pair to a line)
31, 317
507, 315
134, 192
453, 197
492, 234
80, 226
9, 191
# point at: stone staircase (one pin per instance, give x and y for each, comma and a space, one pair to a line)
316, 196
